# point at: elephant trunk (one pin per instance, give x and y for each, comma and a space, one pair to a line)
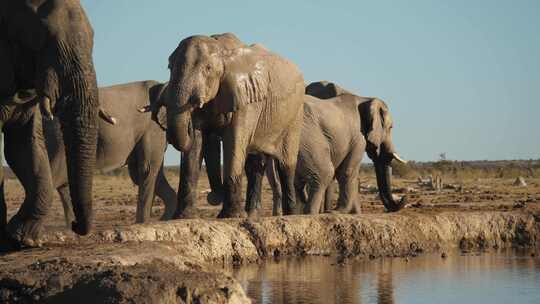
384, 183
179, 123
79, 123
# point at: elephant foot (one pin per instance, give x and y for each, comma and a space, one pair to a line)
232, 212
292, 210
8, 244
254, 214
23, 234
168, 214
188, 213
215, 198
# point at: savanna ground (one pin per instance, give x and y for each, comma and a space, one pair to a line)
466, 186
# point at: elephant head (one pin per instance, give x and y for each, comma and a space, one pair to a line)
196, 70
325, 90
52, 43
377, 129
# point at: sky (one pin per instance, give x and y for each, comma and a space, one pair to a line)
460, 77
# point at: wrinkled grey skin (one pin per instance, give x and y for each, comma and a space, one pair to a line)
248, 95
335, 134
135, 139
46, 59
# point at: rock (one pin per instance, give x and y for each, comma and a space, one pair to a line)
369, 189
455, 187
519, 204
406, 190
520, 182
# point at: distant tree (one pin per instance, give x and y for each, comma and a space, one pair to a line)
442, 156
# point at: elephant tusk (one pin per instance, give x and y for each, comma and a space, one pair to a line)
107, 117
399, 159
45, 103
145, 109
201, 104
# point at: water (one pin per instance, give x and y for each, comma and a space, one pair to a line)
509, 277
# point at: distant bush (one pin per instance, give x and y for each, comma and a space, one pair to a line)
462, 169
403, 170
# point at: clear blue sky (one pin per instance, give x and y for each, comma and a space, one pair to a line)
461, 77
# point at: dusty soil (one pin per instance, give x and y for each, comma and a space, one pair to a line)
115, 199
183, 261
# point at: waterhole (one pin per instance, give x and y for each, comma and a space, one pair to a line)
502, 277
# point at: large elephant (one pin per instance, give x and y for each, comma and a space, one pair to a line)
250, 96
130, 138
46, 59
206, 145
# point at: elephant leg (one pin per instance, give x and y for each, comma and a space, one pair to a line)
27, 156
315, 197
190, 168
287, 169
255, 167
235, 153
63, 192
347, 176
212, 160
301, 197
272, 177
3, 206
167, 195
329, 196
348, 189
148, 165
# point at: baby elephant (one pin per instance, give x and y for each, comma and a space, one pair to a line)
125, 136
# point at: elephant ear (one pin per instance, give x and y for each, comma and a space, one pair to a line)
158, 94
239, 90
375, 121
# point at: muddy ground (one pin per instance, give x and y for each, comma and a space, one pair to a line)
183, 261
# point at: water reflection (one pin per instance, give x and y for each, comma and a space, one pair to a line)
494, 278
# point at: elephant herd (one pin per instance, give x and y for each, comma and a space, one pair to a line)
59, 127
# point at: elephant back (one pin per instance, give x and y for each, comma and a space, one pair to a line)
325, 89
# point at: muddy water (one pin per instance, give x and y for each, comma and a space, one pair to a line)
507, 277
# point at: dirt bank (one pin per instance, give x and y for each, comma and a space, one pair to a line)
173, 259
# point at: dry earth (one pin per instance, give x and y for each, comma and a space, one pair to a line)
183, 261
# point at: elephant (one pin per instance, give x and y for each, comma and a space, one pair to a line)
125, 136
205, 145
47, 67
248, 95
335, 134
